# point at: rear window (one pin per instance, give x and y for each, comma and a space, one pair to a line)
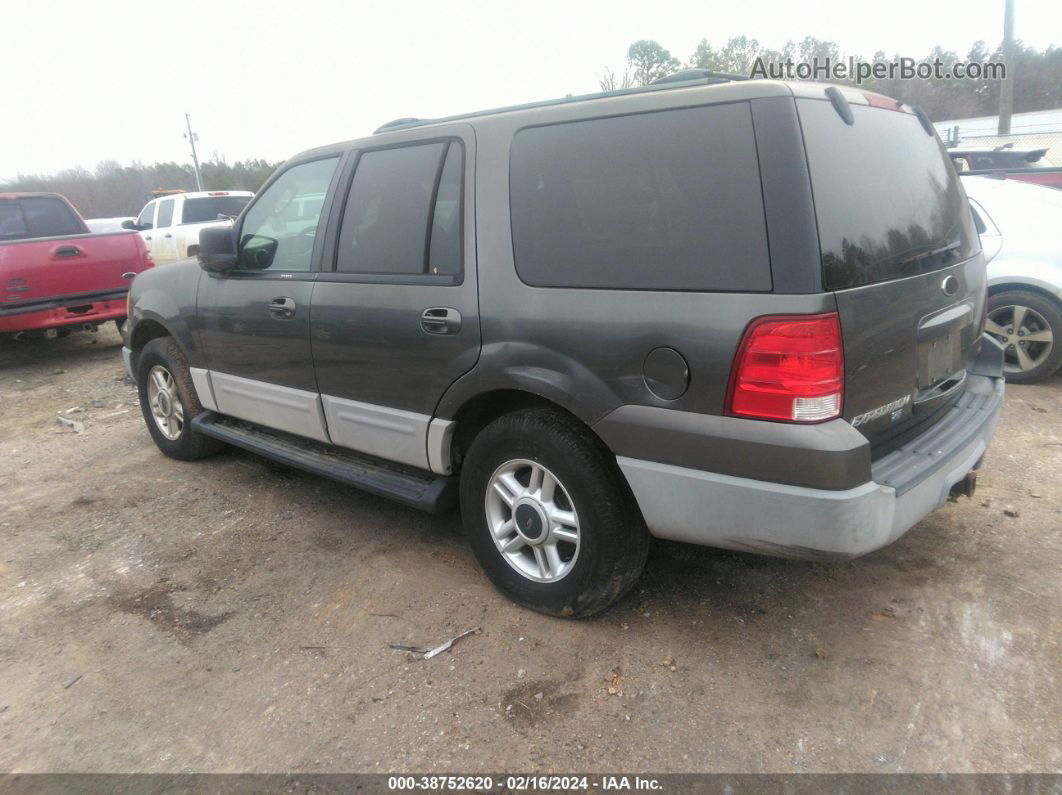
37, 217
198, 211
888, 202
657, 201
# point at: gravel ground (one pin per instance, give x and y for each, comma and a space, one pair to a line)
233, 615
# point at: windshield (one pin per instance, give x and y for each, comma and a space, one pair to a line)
198, 211
888, 202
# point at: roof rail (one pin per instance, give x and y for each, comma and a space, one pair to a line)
686, 76
698, 74
396, 123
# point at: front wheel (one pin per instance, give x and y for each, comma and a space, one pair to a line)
169, 402
549, 516
1028, 325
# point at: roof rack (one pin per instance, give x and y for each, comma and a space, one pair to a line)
683, 79
707, 75
396, 123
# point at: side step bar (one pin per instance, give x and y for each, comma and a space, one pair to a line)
432, 493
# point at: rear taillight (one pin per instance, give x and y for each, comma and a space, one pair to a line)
789, 368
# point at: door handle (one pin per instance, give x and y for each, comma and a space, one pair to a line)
129, 275
68, 251
440, 320
147, 237
282, 308
167, 235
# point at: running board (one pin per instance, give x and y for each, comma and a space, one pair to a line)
428, 492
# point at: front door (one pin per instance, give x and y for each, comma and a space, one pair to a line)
254, 321
395, 316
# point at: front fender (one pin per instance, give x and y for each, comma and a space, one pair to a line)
1029, 271
167, 296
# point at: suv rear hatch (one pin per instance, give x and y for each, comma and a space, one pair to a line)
900, 253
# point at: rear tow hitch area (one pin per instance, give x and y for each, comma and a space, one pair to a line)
964, 487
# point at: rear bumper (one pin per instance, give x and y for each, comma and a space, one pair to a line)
718, 510
98, 311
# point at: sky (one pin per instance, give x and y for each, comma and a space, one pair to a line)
99, 80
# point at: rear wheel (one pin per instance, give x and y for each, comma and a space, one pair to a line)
1029, 326
548, 515
169, 402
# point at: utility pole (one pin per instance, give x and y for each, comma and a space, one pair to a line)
192, 138
1006, 90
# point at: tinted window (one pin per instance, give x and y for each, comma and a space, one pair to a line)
12, 222
49, 218
277, 233
385, 221
198, 211
887, 199
656, 201
444, 253
165, 213
146, 218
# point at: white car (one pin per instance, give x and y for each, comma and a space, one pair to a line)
170, 225
107, 224
1019, 228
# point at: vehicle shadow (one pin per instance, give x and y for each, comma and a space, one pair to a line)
61, 352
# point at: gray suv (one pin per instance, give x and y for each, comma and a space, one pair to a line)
745, 314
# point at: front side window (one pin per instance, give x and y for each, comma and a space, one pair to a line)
165, 213
280, 227
403, 212
146, 219
654, 201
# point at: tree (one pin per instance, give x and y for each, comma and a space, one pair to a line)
649, 61
609, 82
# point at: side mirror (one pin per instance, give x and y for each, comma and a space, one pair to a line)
130, 224
217, 249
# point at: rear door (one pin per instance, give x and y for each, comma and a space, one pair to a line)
165, 242
395, 315
901, 254
46, 254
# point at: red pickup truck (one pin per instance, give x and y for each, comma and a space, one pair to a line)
55, 275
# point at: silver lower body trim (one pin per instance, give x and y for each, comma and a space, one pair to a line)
127, 360
284, 408
203, 389
393, 434
788, 521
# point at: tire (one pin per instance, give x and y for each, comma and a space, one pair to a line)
160, 358
581, 577
118, 323
1039, 316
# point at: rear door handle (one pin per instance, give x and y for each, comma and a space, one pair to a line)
440, 320
167, 235
68, 251
282, 308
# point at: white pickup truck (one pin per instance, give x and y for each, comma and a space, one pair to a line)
170, 225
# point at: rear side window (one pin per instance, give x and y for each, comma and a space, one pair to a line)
403, 213
887, 199
165, 213
655, 201
37, 217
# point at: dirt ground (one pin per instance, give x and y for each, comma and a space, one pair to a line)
233, 615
